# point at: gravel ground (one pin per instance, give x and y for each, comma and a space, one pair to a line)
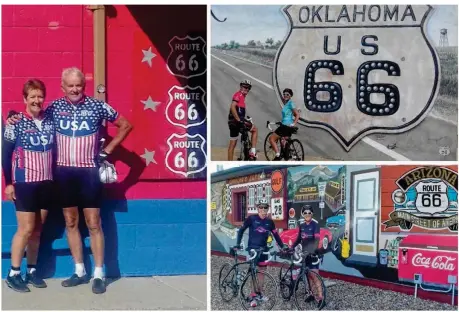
342, 296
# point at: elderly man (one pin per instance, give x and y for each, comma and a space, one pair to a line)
77, 121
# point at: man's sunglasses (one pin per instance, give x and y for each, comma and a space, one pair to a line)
263, 207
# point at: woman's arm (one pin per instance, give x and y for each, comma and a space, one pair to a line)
297, 116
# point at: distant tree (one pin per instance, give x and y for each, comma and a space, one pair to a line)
224, 46
251, 43
270, 41
236, 45
231, 44
277, 44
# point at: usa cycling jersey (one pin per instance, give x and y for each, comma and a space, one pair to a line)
28, 150
77, 129
308, 235
258, 232
240, 108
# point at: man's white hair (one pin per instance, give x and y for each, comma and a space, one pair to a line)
73, 70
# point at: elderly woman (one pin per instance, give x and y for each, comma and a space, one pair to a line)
290, 118
27, 165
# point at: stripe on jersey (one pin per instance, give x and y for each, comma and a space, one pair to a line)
76, 151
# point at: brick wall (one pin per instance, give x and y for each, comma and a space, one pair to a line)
154, 222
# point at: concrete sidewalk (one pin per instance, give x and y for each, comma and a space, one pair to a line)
186, 292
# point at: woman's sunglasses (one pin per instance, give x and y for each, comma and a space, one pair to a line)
307, 213
263, 207
286, 94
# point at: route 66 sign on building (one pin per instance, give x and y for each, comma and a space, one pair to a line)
186, 154
427, 198
358, 69
186, 107
187, 57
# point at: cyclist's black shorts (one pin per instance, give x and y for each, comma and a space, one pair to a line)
284, 131
34, 196
235, 129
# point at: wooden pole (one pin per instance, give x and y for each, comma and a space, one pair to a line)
99, 51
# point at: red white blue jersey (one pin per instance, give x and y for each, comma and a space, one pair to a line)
32, 158
77, 129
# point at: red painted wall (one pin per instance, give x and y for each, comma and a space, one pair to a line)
39, 41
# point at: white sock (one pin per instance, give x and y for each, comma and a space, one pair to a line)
98, 272
253, 150
277, 154
14, 272
31, 270
79, 269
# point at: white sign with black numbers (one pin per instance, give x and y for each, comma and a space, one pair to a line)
277, 208
432, 197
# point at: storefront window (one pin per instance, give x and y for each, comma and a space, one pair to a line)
259, 193
251, 197
268, 193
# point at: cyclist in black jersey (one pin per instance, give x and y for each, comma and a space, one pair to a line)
260, 226
308, 237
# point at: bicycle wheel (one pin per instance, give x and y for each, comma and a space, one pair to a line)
285, 281
296, 151
227, 283
270, 154
263, 300
310, 293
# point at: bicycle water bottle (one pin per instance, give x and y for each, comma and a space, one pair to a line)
238, 279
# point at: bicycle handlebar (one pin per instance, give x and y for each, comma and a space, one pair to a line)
255, 252
268, 124
303, 255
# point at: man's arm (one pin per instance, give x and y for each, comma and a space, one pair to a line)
234, 110
316, 237
276, 235
241, 231
123, 125
298, 239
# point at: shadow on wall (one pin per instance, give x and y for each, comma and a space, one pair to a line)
54, 244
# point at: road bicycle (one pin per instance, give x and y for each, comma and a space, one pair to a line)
306, 286
245, 140
290, 149
235, 281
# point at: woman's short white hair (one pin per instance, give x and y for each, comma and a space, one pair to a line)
73, 70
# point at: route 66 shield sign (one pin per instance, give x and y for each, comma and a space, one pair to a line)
187, 57
358, 69
186, 154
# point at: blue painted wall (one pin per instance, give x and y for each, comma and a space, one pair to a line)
142, 238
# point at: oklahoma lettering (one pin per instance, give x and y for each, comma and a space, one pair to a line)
356, 13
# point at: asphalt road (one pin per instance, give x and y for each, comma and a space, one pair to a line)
422, 143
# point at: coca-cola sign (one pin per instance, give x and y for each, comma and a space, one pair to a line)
439, 262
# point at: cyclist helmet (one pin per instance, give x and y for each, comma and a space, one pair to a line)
262, 203
306, 208
246, 83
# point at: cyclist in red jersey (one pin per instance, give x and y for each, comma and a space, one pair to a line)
236, 120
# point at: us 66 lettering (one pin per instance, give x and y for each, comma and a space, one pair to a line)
192, 162
364, 90
181, 64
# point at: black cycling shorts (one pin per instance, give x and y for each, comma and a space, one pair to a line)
78, 187
34, 196
284, 131
235, 129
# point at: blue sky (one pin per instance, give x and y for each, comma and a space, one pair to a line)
258, 22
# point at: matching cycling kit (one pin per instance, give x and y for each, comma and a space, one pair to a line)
77, 148
259, 230
27, 161
309, 236
234, 125
288, 118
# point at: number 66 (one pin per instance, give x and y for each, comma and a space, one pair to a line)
363, 92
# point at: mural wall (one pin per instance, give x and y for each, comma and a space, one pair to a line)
381, 222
